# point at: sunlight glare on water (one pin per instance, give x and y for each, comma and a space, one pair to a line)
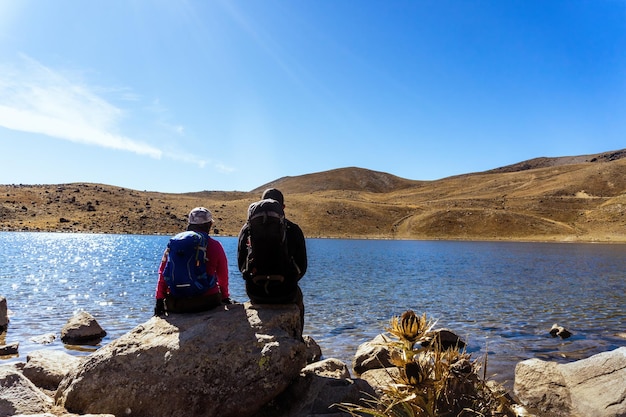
501, 297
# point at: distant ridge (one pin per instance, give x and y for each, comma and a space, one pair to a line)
341, 179
564, 199
544, 162
365, 180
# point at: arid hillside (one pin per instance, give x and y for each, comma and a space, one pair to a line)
579, 198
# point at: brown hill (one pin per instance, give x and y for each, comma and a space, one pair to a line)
544, 199
544, 162
343, 179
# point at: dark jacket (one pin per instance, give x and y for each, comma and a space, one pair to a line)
276, 292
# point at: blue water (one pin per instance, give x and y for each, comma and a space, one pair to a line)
502, 298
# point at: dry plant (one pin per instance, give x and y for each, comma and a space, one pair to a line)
432, 380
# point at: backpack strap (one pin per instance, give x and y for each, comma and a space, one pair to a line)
204, 239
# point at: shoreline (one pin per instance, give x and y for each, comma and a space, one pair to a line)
501, 359
564, 240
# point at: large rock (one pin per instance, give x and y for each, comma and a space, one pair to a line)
376, 354
314, 351
20, 396
317, 392
82, 328
595, 386
445, 338
381, 379
372, 355
226, 362
47, 368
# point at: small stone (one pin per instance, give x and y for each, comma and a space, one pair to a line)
559, 331
10, 349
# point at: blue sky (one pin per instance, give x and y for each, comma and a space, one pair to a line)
179, 96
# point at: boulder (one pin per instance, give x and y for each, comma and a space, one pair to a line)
328, 368
20, 396
320, 387
227, 362
47, 368
4, 314
595, 386
446, 338
372, 355
376, 353
313, 350
82, 328
381, 379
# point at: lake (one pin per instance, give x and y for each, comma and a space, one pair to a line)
500, 297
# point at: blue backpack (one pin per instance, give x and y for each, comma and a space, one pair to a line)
185, 269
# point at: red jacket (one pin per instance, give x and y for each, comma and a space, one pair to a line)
217, 264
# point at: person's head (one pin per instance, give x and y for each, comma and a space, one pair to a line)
274, 194
201, 219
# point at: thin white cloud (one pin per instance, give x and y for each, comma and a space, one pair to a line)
188, 158
224, 168
36, 99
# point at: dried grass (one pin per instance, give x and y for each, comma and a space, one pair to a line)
433, 381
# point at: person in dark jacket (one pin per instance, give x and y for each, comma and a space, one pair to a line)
286, 291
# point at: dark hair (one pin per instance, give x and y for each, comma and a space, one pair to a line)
274, 194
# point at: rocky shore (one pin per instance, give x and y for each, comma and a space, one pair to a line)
247, 360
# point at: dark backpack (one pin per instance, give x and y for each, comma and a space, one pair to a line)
268, 256
185, 269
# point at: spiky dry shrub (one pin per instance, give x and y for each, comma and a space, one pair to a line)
432, 381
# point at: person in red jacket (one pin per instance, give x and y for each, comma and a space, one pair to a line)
200, 220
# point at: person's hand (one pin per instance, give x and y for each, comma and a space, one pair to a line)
159, 308
227, 301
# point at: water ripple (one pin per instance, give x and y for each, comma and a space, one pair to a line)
501, 297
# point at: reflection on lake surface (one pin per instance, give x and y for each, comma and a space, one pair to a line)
501, 297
